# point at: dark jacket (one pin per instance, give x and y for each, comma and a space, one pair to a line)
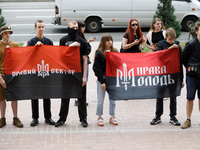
66, 41
191, 52
165, 45
99, 66
162, 45
89, 47
34, 40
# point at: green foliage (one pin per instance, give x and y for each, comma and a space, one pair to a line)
2, 21
21, 44
165, 11
182, 44
146, 49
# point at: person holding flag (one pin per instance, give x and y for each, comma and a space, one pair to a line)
99, 68
73, 40
168, 43
40, 39
5, 33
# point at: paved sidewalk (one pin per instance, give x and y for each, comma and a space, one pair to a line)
134, 131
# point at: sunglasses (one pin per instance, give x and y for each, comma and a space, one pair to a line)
5, 28
134, 25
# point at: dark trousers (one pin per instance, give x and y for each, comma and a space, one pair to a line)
82, 108
46, 107
172, 106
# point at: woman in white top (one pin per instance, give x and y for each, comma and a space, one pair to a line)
155, 34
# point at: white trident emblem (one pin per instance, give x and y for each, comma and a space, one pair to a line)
43, 70
126, 75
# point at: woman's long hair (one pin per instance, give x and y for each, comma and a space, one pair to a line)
102, 46
154, 21
81, 24
130, 32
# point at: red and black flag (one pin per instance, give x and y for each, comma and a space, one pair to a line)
43, 72
143, 75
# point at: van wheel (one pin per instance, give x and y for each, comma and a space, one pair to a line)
187, 22
93, 25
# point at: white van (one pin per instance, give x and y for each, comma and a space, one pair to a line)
118, 12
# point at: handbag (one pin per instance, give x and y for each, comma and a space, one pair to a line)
193, 69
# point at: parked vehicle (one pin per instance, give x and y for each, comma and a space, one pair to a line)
118, 12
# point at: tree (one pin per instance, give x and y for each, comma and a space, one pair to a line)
165, 11
2, 21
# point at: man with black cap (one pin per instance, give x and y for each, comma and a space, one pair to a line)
5, 33
72, 39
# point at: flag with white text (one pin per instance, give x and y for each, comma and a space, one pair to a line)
42, 72
143, 75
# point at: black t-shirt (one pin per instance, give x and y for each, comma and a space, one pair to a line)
134, 48
156, 37
65, 41
34, 40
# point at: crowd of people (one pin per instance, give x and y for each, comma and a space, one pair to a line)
158, 38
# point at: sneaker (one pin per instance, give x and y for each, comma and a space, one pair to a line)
84, 123
2, 122
174, 121
17, 122
187, 124
100, 122
113, 121
155, 120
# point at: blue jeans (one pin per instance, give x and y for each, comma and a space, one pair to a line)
100, 101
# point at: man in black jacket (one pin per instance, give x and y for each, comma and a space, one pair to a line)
191, 56
72, 39
40, 39
168, 43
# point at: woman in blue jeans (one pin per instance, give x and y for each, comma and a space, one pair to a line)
99, 67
